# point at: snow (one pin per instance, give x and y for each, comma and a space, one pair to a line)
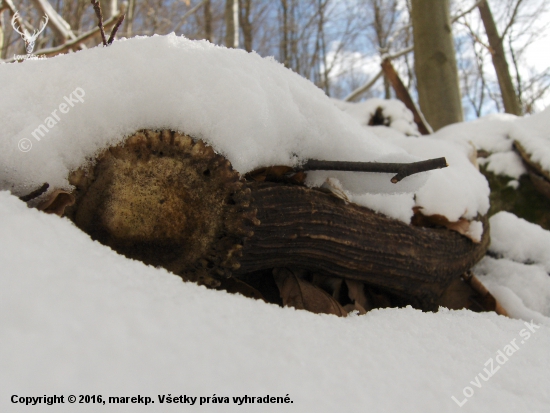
520, 240
504, 163
496, 134
394, 111
76, 318
252, 110
519, 275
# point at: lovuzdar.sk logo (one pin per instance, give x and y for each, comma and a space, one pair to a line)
28, 38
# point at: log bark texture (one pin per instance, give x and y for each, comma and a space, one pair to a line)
307, 228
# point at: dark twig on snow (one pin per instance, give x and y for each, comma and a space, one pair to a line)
401, 169
97, 9
36, 193
117, 25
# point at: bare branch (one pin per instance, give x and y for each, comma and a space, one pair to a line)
512, 19
115, 29
58, 24
363, 88
464, 13
97, 8
401, 169
188, 14
36, 193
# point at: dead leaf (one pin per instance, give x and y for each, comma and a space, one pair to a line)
302, 295
356, 293
488, 301
335, 188
332, 285
462, 226
56, 202
277, 173
355, 307
235, 286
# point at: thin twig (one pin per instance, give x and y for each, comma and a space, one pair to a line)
401, 169
36, 193
363, 88
186, 15
97, 9
117, 25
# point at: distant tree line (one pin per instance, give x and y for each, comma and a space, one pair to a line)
469, 54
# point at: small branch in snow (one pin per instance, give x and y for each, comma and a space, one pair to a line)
401, 169
97, 9
115, 29
36, 193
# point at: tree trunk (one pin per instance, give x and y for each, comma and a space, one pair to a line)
246, 24
129, 19
232, 23
435, 63
285, 38
207, 21
509, 96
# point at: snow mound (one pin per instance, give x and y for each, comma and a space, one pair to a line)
58, 113
394, 113
520, 240
78, 319
496, 134
252, 110
519, 276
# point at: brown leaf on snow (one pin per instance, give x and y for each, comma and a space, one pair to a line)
462, 226
302, 295
468, 292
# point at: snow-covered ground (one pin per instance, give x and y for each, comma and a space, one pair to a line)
78, 319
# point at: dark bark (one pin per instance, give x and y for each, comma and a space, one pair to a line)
207, 21
246, 24
401, 169
310, 229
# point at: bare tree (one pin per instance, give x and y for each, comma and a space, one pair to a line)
496, 48
435, 63
232, 23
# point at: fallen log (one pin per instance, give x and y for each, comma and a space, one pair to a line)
306, 228
170, 201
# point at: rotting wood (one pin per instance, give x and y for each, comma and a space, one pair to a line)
307, 228
168, 200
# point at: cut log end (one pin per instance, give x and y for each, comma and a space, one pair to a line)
167, 200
